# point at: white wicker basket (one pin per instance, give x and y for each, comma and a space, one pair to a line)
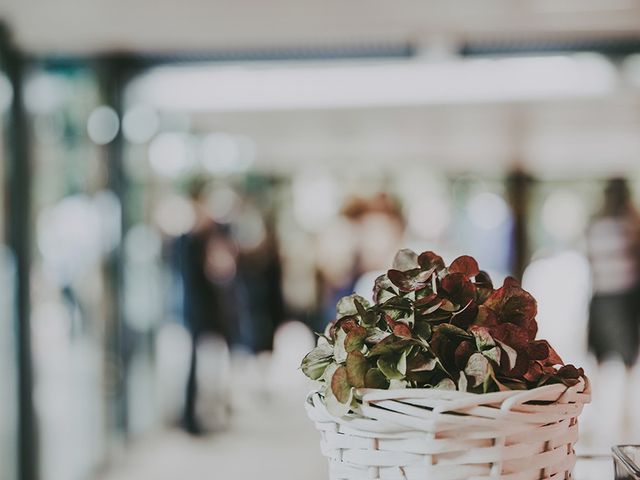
431, 434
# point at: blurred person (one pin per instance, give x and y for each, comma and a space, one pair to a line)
381, 227
261, 303
207, 265
373, 234
261, 274
613, 242
335, 252
381, 231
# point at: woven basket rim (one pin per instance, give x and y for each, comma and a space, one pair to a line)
558, 389
411, 392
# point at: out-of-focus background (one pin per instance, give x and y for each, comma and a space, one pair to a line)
188, 187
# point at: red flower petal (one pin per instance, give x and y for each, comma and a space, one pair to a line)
513, 304
462, 354
486, 317
402, 330
465, 317
390, 321
459, 288
484, 287
466, 265
347, 324
570, 375
410, 280
444, 346
426, 300
340, 385
517, 338
538, 350
355, 339
513, 335
534, 373
511, 282
553, 358
570, 371
428, 260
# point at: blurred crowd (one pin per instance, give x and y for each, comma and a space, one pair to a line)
237, 292
226, 278
173, 275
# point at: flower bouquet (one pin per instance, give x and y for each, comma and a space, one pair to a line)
442, 377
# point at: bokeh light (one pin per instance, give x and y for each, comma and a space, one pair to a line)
221, 203
315, 199
140, 123
45, 93
487, 210
170, 154
103, 125
224, 154
430, 217
174, 215
564, 215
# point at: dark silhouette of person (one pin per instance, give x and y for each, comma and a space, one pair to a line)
613, 241
206, 260
261, 277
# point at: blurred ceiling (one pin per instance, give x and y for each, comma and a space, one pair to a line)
571, 139
559, 137
464, 127
152, 26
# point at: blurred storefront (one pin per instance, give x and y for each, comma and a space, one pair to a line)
314, 166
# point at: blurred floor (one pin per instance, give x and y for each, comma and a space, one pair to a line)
276, 442
599, 468
270, 437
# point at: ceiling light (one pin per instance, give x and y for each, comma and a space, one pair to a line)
366, 84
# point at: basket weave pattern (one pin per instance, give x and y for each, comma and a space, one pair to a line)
426, 434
